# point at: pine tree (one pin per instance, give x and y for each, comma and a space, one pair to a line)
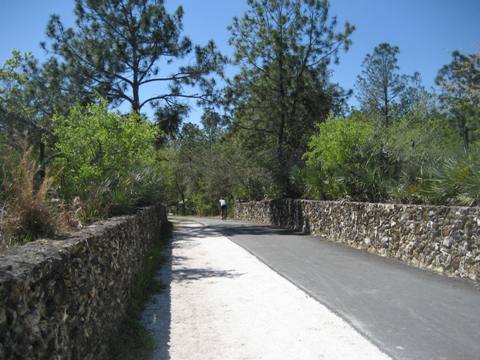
381, 88
120, 46
284, 49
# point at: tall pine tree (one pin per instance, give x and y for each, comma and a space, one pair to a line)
120, 46
284, 49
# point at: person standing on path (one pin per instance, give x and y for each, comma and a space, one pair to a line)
223, 208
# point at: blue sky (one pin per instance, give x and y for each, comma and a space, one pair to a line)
427, 31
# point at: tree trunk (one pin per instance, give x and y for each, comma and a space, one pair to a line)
387, 112
135, 79
282, 175
136, 96
465, 139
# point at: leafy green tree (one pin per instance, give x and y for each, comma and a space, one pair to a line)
203, 164
108, 160
284, 49
15, 114
175, 179
121, 46
186, 165
382, 89
22, 102
459, 82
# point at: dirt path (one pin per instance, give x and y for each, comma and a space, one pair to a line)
222, 303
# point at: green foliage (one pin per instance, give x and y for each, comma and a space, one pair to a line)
31, 92
284, 49
346, 158
459, 82
203, 204
200, 167
399, 147
380, 83
382, 89
454, 180
415, 160
18, 111
108, 160
121, 46
416, 143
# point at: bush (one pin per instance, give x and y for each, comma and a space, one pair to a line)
417, 145
108, 160
347, 159
415, 160
455, 180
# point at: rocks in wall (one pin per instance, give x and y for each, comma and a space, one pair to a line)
63, 299
439, 238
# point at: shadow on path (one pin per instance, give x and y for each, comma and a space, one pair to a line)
157, 315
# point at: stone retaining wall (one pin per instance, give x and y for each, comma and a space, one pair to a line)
439, 238
64, 299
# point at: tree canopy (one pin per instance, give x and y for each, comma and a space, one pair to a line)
120, 46
284, 49
382, 89
278, 126
459, 82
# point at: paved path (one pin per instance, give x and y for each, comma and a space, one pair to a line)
409, 313
222, 303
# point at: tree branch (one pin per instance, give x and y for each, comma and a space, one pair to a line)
168, 96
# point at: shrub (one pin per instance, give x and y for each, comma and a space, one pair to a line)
108, 160
417, 145
347, 158
455, 180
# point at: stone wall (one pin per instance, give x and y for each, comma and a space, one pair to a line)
65, 298
440, 238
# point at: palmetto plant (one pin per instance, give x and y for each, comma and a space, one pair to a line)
455, 180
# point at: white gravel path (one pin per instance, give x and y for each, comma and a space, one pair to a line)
223, 303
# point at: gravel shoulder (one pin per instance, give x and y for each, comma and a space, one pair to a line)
220, 302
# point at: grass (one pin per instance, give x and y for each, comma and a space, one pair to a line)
133, 341
30, 208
